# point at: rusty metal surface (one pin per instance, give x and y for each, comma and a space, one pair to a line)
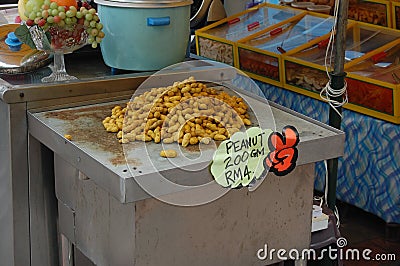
85, 127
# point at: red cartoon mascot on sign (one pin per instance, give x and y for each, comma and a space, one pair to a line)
283, 152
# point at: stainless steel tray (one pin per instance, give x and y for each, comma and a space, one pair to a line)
98, 154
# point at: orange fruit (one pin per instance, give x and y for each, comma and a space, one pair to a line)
67, 3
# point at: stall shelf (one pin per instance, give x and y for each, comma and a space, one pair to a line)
218, 41
259, 55
109, 217
29, 205
305, 70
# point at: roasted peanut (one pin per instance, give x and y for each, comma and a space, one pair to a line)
186, 139
219, 137
175, 113
168, 140
168, 153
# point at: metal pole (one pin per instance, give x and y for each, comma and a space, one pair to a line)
337, 83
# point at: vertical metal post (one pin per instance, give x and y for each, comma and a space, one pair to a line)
337, 82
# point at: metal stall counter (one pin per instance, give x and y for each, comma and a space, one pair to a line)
28, 210
116, 210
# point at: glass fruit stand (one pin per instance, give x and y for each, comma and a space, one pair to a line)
58, 27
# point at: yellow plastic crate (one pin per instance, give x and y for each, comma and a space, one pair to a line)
376, 12
259, 56
218, 41
305, 72
374, 83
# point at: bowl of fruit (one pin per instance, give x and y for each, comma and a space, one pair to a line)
58, 27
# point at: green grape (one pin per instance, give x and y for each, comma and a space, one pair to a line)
101, 34
53, 5
73, 9
61, 23
45, 13
99, 26
50, 19
29, 7
33, 5
32, 15
62, 15
94, 32
68, 21
70, 13
88, 17
90, 39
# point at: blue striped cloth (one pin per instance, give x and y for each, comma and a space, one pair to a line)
369, 171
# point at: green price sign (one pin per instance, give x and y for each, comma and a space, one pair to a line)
248, 156
239, 160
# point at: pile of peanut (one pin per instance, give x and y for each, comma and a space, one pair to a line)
187, 112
